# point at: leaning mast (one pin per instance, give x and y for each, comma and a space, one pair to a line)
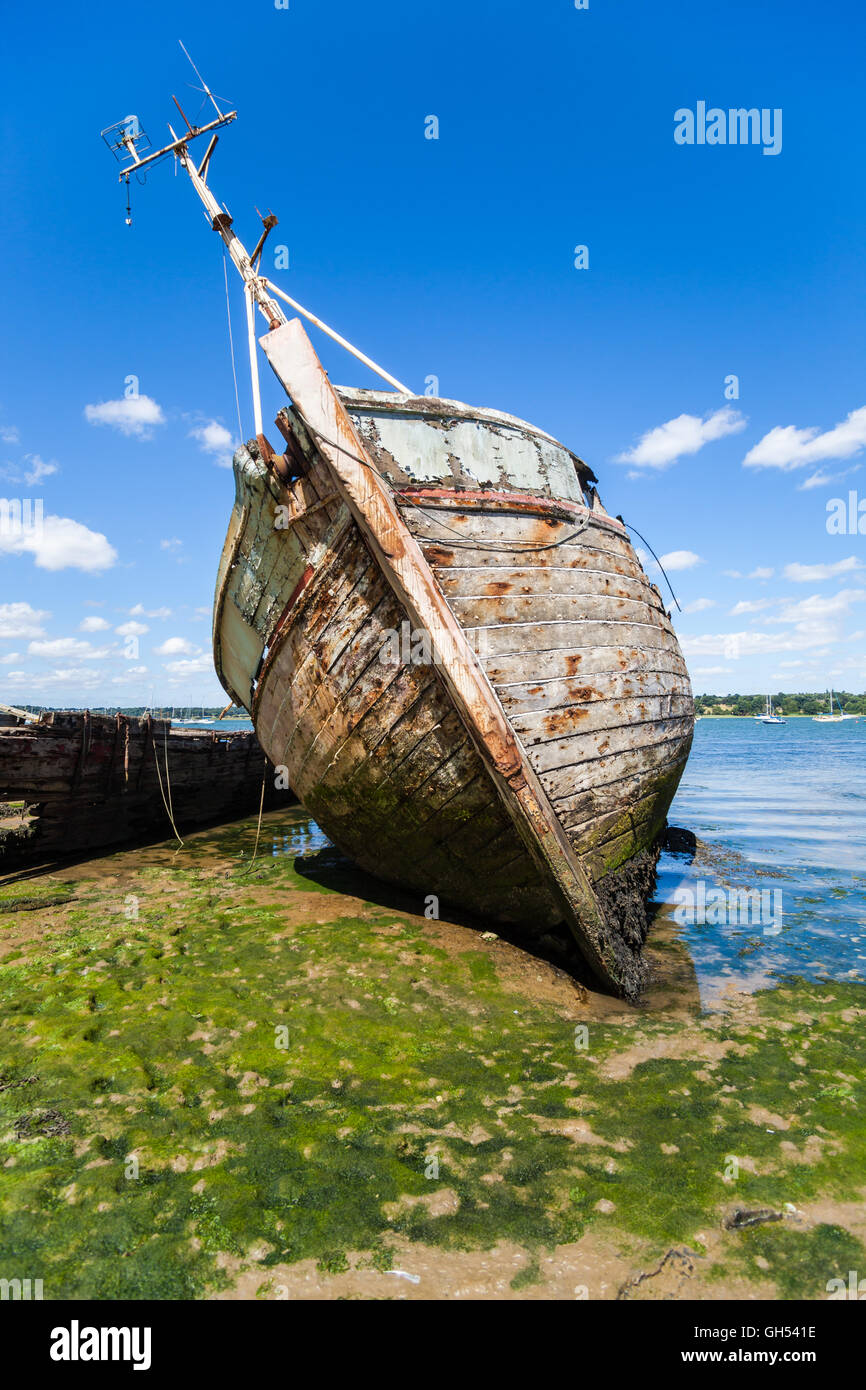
130, 146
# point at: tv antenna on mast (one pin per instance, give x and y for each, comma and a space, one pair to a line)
129, 144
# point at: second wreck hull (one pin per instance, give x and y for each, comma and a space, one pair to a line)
347, 695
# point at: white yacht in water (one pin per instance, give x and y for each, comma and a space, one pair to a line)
769, 717
831, 718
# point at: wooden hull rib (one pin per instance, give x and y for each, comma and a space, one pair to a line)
455, 654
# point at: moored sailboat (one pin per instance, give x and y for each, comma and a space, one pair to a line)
769, 716
830, 718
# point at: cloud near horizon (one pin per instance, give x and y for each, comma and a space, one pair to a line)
811, 574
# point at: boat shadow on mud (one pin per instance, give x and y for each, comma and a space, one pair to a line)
671, 972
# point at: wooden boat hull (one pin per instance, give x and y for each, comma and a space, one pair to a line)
88, 781
456, 656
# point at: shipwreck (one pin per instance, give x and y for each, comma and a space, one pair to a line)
73, 782
444, 638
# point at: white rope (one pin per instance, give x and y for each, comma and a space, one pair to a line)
162, 793
344, 343
232, 349
259, 826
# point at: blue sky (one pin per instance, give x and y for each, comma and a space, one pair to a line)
451, 257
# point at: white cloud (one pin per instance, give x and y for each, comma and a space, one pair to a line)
214, 438
811, 574
171, 544
680, 560
699, 605
133, 415
60, 543
67, 648
93, 625
816, 611
824, 479
194, 667
78, 677
9, 434
139, 611
815, 624
20, 620
788, 447
712, 671
762, 572
132, 629
9, 658
734, 645
686, 434
38, 470
175, 646
753, 605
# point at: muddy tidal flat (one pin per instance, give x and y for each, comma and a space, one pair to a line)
235, 1078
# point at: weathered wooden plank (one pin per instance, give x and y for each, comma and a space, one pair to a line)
527, 639
521, 700
605, 858
340, 600
579, 661
542, 533
589, 554
585, 808
582, 748
556, 609
564, 784
599, 715
525, 581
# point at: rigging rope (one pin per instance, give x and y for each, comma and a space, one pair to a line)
232, 349
259, 826
655, 557
518, 547
161, 792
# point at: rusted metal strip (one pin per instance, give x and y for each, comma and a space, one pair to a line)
373, 507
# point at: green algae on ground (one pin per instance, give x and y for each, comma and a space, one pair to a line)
32, 893
247, 1075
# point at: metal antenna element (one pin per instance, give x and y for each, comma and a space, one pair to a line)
205, 87
128, 143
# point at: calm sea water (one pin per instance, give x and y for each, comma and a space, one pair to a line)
221, 725
783, 809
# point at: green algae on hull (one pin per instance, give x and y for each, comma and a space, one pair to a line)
253, 1070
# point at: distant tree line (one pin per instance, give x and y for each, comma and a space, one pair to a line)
783, 704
